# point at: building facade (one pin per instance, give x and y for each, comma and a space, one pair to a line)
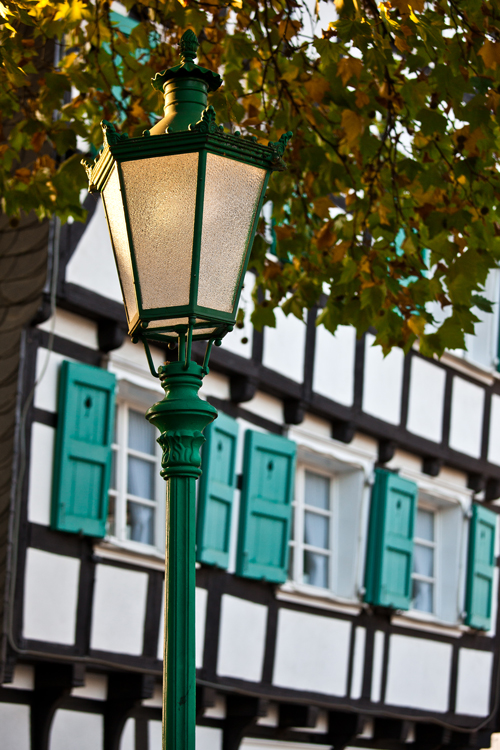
347, 585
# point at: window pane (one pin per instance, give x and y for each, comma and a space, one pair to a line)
317, 491
425, 525
422, 596
141, 478
140, 523
141, 434
110, 522
316, 530
316, 569
423, 560
290, 564
112, 481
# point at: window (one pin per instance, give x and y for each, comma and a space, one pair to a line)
136, 496
326, 530
424, 561
311, 555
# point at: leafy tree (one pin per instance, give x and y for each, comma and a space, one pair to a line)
388, 210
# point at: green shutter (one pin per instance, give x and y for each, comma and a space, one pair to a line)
390, 544
481, 566
83, 449
266, 507
215, 498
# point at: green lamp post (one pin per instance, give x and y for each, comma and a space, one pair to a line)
182, 204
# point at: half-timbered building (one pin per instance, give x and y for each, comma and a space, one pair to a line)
347, 585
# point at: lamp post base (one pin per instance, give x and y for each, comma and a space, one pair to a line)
180, 416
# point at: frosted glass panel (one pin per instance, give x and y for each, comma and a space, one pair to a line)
232, 194
116, 219
161, 200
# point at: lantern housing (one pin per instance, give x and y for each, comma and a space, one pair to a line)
182, 204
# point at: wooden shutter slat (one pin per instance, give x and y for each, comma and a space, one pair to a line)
82, 464
481, 567
216, 492
266, 505
389, 560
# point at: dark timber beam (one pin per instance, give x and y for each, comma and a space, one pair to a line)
53, 683
125, 693
293, 715
242, 713
343, 728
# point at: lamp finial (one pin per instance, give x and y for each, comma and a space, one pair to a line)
188, 46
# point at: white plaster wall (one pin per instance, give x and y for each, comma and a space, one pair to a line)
208, 738
418, 673
95, 688
76, 730
377, 666
50, 596
119, 610
334, 364
242, 639
200, 617
256, 743
72, 327
312, 652
383, 382
92, 265
15, 726
284, 346
40, 478
467, 403
215, 384
426, 399
474, 682
358, 662
22, 679
47, 388
127, 740
494, 437
266, 406
240, 340
154, 735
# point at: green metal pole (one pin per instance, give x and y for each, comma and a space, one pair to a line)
180, 416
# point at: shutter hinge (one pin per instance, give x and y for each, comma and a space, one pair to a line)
239, 481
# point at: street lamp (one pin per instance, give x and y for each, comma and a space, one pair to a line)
182, 204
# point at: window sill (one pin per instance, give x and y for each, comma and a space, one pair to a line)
312, 596
428, 622
130, 552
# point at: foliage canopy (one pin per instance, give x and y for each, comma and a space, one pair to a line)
395, 113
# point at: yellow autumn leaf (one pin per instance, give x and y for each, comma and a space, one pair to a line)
338, 251
73, 11
237, 4
322, 207
490, 52
383, 213
407, 8
401, 44
291, 74
349, 67
317, 88
353, 125
417, 325
362, 99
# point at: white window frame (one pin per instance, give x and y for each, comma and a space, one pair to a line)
298, 547
120, 494
338, 595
